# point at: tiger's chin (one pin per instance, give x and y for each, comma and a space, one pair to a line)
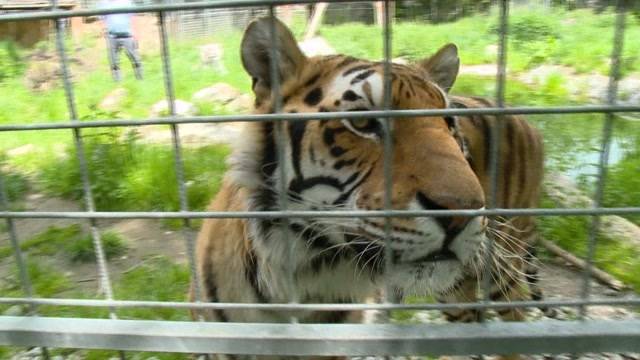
427, 278
440, 273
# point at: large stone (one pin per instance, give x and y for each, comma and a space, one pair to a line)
42, 76
220, 93
114, 100
242, 103
316, 46
183, 108
212, 55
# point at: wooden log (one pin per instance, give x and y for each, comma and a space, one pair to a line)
316, 20
602, 277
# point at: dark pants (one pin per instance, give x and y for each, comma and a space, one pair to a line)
115, 43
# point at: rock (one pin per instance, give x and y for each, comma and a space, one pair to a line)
542, 73
20, 150
211, 55
316, 46
487, 70
243, 103
183, 108
114, 100
15, 310
42, 75
220, 93
629, 91
400, 60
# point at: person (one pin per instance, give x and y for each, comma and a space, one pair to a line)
119, 35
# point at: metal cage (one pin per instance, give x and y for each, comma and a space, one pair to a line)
579, 336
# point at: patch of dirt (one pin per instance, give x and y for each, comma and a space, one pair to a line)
145, 239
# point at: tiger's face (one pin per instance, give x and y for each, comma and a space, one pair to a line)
338, 164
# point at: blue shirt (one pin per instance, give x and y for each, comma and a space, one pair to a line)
116, 23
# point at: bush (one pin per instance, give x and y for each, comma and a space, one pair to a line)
11, 64
528, 26
15, 185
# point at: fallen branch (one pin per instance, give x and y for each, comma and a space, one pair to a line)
600, 275
316, 20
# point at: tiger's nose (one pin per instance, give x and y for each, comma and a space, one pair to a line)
452, 225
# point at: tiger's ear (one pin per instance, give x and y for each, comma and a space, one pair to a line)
256, 51
443, 66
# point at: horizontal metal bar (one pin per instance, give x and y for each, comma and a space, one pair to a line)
311, 214
635, 301
399, 114
61, 14
323, 339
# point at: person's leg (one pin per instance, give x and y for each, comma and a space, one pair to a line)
114, 62
131, 46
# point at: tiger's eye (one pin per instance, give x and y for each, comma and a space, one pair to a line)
361, 123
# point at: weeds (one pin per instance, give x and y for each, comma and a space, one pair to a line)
71, 241
82, 249
127, 175
612, 255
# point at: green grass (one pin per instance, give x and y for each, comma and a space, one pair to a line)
579, 39
70, 241
45, 279
155, 278
82, 249
128, 175
623, 185
620, 259
15, 186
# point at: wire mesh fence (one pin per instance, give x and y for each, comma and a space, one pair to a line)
296, 339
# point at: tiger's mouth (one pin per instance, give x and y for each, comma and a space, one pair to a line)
440, 255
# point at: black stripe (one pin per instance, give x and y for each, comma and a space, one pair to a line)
312, 154
312, 80
506, 171
251, 274
337, 151
341, 200
298, 185
498, 294
429, 204
329, 135
370, 257
346, 61
350, 95
313, 97
488, 139
342, 163
266, 198
503, 312
362, 76
337, 317
212, 288
522, 159
296, 133
357, 68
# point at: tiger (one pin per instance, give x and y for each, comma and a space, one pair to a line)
438, 162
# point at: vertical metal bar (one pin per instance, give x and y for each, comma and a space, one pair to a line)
177, 158
279, 128
496, 135
105, 283
614, 76
387, 152
25, 281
